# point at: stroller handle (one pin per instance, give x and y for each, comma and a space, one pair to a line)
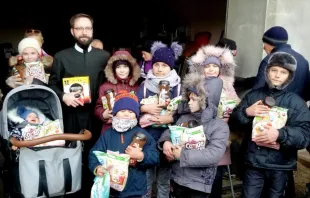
83, 135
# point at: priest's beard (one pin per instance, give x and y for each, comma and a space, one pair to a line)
84, 44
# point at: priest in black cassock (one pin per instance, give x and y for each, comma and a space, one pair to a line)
81, 60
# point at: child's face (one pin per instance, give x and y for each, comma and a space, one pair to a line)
122, 71
125, 114
193, 103
211, 70
278, 75
32, 118
30, 55
161, 69
146, 56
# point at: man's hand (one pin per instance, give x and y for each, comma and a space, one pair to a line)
70, 100
257, 109
268, 136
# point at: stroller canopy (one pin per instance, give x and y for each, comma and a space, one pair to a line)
36, 96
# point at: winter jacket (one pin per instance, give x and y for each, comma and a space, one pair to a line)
145, 66
145, 93
111, 140
301, 80
196, 169
227, 72
292, 137
116, 84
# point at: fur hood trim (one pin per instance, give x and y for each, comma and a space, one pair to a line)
196, 81
14, 117
228, 64
136, 70
284, 60
47, 61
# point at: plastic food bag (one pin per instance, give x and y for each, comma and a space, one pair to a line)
194, 138
176, 133
226, 107
101, 186
119, 164
277, 118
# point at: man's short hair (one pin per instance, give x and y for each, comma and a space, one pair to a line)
80, 15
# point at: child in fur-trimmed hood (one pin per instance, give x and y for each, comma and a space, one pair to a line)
193, 174
217, 62
122, 72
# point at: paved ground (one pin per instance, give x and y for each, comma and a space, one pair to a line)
302, 176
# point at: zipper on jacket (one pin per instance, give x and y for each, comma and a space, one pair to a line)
124, 87
122, 138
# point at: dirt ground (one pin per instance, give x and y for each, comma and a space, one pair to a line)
302, 177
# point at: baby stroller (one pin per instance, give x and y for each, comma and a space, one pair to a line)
50, 171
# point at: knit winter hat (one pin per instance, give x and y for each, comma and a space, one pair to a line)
275, 36
284, 60
24, 112
162, 53
28, 42
126, 101
212, 60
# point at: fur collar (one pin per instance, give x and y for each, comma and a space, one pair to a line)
136, 70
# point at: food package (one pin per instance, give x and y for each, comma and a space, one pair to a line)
226, 107
277, 118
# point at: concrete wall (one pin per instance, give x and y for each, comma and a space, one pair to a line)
247, 20
245, 24
294, 17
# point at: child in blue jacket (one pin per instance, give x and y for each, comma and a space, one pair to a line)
118, 138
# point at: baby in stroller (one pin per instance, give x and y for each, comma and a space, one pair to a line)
28, 123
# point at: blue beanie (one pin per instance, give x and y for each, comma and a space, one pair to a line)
165, 55
126, 101
24, 112
168, 55
275, 36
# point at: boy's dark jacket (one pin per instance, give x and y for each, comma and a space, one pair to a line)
111, 140
292, 137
